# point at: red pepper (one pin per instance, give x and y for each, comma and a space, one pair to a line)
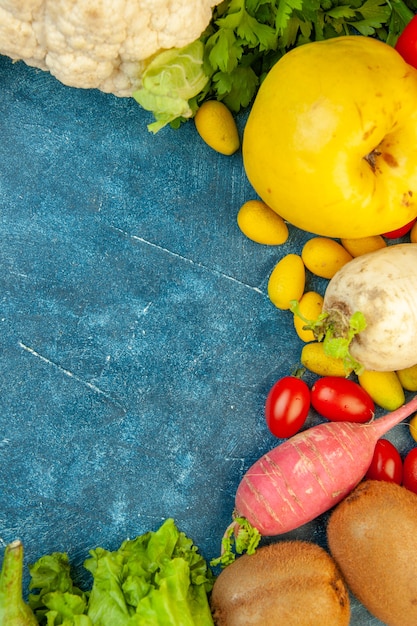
407, 43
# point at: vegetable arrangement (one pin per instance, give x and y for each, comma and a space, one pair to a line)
297, 481
315, 469
364, 326
309, 473
141, 49
336, 399
245, 38
365, 322
299, 583
157, 578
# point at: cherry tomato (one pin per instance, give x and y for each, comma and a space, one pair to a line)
400, 232
287, 406
341, 400
407, 43
386, 463
410, 470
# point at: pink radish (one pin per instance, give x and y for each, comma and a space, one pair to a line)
310, 472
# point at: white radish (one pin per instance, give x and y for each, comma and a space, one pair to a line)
382, 285
311, 472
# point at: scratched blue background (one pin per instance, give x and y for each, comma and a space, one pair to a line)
137, 339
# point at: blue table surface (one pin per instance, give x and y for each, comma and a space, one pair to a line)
137, 339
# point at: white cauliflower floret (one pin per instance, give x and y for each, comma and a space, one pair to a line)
103, 44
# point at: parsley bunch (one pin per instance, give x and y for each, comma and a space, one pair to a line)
245, 38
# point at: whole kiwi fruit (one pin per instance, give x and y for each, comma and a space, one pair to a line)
295, 583
372, 535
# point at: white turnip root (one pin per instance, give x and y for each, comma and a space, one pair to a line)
311, 472
381, 285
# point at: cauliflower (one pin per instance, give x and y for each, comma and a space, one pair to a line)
103, 44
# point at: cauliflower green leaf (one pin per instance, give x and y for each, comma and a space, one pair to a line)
170, 80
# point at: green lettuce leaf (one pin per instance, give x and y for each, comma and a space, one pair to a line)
157, 579
58, 601
66, 609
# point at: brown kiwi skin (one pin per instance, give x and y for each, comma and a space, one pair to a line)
372, 535
295, 583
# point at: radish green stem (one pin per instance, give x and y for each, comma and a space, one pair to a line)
242, 536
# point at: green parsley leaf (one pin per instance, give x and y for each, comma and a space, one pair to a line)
375, 13
236, 89
284, 12
224, 51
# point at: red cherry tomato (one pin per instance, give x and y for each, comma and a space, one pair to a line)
287, 406
341, 400
410, 470
400, 232
407, 43
386, 463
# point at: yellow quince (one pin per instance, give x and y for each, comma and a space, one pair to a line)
331, 141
